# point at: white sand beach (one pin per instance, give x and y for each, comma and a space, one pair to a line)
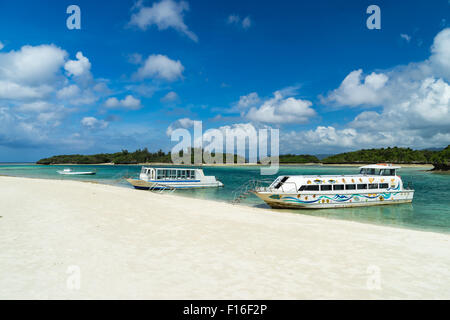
118, 243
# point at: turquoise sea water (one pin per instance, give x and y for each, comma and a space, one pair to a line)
430, 209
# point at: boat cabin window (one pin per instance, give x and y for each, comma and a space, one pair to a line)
387, 172
326, 187
338, 187
312, 188
373, 186
302, 188
279, 184
362, 186
378, 172
384, 186
350, 186
367, 171
174, 174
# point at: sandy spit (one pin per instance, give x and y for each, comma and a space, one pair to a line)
74, 240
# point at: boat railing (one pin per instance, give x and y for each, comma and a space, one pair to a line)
248, 188
160, 188
284, 188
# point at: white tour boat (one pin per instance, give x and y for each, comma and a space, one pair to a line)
377, 184
70, 172
174, 178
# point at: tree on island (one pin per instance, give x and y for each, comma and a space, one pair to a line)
440, 159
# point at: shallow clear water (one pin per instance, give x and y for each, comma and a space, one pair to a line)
430, 209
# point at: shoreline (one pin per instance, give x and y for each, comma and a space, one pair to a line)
409, 165
132, 244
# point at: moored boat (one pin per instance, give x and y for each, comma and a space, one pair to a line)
376, 184
71, 172
173, 178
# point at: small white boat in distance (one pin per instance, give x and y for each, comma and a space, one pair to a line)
77, 173
377, 184
174, 178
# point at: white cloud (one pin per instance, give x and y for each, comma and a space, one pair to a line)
72, 94
236, 20
184, 123
12, 91
414, 103
324, 136
170, 97
330, 139
36, 86
51, 118
145, 90
1, 45
129, 102
135, 58
80, 67
36, 106
282, 110
247, 101
94, 123
208, 139
32, 66
164, 14
233, 18
441, 51
160, 67
354, 92
68, 92
15, 132
405, 37
246, 23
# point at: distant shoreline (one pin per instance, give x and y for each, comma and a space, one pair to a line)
405, 165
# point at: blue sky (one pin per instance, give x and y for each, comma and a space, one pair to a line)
138, 69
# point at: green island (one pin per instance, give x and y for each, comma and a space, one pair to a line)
126, 157
439, 159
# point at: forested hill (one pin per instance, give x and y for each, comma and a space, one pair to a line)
144, 156
392, 155
124, 157
440, 159
303, 158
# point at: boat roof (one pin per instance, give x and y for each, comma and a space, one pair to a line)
380, 166
173, 168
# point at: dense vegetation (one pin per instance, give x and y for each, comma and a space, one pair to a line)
393, 155
304, 158
124, 157
440, 159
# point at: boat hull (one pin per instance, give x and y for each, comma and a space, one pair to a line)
76, 173
328, 201
146, 185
